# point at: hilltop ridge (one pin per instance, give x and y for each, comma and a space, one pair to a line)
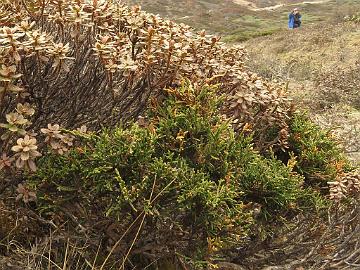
272, 5
243, 20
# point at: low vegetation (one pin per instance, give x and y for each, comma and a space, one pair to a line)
320, 69
128, 142
184, 183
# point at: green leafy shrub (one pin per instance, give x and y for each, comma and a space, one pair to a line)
185, 174
190, 124
317, 155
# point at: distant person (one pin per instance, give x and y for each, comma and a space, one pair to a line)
294, 19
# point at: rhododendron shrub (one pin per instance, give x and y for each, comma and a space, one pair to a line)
65, 64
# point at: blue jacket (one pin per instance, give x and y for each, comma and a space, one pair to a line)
292, 23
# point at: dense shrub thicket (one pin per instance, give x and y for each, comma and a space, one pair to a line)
188, 180
184, 182
315, 154
98, 63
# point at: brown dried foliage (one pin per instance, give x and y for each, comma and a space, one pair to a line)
99, 63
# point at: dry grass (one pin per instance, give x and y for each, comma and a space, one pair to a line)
330, 242
302, 54
318, 63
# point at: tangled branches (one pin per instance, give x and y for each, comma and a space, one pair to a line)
78, 63
331, 243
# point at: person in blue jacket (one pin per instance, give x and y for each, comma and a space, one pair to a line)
294, 19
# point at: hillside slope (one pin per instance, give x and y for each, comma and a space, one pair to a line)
321, 64
239, 20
